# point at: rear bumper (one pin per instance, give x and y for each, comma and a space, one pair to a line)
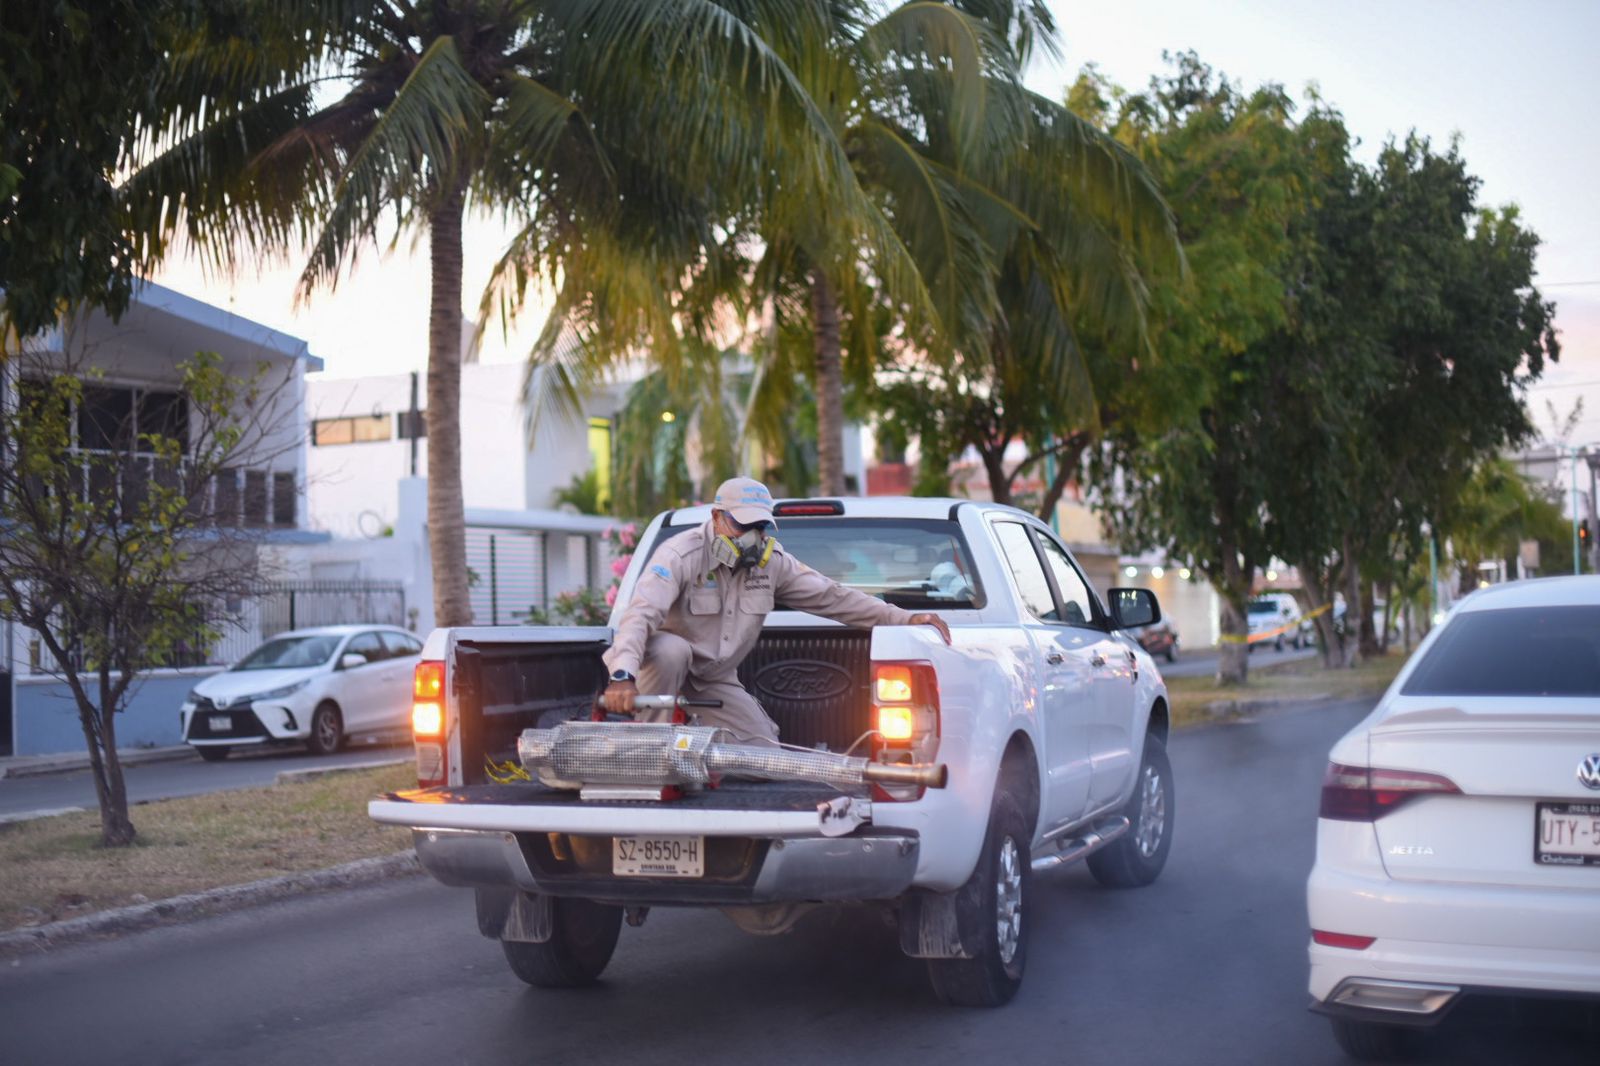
1471, 938
868, 864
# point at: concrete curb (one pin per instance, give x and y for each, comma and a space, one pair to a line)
36, 765
1222, 711
140, 916
311, 773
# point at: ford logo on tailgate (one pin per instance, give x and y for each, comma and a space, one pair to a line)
799, 679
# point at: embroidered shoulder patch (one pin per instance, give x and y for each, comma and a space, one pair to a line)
662, 572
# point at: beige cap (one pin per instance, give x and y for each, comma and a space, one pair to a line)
746, 499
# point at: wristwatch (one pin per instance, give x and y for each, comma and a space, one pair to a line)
622, 675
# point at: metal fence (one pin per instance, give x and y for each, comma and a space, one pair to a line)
284, 605
505, 575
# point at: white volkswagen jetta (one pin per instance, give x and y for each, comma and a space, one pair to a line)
312, 685
1458, 848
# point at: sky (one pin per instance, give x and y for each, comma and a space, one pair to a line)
1514, 80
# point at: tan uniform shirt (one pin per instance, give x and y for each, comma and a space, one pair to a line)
720, 612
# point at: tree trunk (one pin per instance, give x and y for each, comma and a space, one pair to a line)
995, 466
1233, 654
1067, 460
116, 828
447, 536
1371, 641
1355, 627
829, 386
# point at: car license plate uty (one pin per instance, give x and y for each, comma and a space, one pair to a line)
654, 856
1567, 834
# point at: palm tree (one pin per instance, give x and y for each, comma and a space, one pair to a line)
1025, 225
619, 131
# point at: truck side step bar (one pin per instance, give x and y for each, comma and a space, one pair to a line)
1071, 849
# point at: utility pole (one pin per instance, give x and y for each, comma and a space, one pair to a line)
1577, 557
415, 423
1593, 458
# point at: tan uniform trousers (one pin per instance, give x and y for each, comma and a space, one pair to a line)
665, 671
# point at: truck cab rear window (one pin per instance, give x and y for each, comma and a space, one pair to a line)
907, 562
1516, 651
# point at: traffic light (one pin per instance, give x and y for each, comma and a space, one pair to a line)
1583, 534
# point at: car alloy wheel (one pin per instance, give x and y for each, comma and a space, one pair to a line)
1152, 812
1008, 900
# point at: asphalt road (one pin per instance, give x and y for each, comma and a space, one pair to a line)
1199, 664
181, 777
1205, 966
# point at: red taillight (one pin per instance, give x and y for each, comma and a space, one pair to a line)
807, 507
905, 720
427, 723
1342, 940
1365, 794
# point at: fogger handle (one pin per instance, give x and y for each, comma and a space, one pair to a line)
667, 703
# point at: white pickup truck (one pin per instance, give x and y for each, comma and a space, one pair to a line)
1051, 723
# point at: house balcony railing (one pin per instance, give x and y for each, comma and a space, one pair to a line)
243, 497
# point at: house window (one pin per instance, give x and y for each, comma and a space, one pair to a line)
283, 493
359, 429
406, 426
113, 418
600, 457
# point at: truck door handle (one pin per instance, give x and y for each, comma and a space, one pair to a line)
1054, 658
1097, 659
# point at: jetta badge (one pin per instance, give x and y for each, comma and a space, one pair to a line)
1589, 772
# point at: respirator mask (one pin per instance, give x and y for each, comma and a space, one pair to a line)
741, 552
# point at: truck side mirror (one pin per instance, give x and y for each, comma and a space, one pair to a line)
1134, 607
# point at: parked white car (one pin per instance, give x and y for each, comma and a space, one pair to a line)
315, 686
1274, 618
1458, 849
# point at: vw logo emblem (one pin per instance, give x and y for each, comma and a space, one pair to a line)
1589, 772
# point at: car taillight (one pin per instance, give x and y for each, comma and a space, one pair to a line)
427, 723
1365, 794
905, 720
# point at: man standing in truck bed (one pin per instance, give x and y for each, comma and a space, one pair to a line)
698, 608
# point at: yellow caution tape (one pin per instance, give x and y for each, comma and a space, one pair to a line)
1257, 638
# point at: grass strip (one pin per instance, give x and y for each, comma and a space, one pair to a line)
1195, 700
54, 868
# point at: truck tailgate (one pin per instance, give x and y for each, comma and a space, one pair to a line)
738, 808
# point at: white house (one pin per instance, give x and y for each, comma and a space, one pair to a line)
133, 382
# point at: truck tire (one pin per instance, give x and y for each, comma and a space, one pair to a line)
582, 939
1137, 857
327, 729
1374, 1041
995, 898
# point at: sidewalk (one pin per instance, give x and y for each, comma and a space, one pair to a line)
32, 765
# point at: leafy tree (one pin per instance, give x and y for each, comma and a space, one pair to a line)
1424, 303
86, 91
115, 557
1187, 476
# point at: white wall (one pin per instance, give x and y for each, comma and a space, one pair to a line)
352, 486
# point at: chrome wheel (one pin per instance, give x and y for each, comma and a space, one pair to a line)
326, 731
1152, 812
1008, 900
